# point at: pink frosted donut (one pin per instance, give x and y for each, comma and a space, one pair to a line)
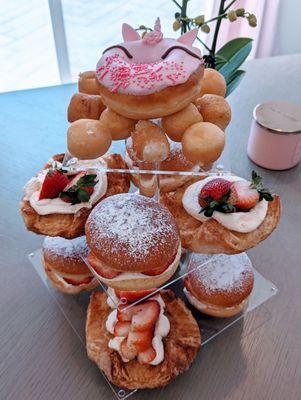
150, 77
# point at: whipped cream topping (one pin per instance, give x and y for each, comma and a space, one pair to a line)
162, 329
243, 222
205, 306
139, 275
57, 206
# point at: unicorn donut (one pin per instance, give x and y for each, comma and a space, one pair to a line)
150, 77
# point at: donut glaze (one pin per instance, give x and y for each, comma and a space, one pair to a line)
144, 66
132, 233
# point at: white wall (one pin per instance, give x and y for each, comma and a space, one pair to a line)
288, 29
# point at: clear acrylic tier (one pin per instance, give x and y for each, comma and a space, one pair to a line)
74, 307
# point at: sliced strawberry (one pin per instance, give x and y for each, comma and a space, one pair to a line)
147, 356
141, 341
145, 315
74, 179
128, 352
74, 282
122, 328
54, 183
101, 269
125, 313
132, 296
213, 190
157, 271
243, 195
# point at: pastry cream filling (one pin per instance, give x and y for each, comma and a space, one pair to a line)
140, 275
243, 222
162, 329
57, 206
207, 306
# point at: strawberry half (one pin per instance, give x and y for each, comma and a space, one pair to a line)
129, 352
125, 313
243, 195
54, 183
77, 283
147, 356
132, 296
122, 328
101, 269
141, 341
145, 315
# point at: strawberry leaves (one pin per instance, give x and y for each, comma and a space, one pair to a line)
221, 205
81, 191
264, 193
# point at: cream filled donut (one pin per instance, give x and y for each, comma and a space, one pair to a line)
64, 266
176, 161
150, 77
134, 242
222, 286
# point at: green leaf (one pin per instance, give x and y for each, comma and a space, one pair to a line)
235, 52
234, 81
83, 196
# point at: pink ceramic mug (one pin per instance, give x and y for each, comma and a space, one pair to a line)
275, 137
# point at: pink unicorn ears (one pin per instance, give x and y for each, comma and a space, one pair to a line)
189, 37
129, 34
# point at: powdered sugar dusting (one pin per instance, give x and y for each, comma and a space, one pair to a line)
225, 272
60, 247
133, 224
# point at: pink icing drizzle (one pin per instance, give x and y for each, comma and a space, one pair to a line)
122, 73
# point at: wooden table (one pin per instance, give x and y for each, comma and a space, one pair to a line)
41, 358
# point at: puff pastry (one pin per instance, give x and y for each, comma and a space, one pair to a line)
180, 346
211, 237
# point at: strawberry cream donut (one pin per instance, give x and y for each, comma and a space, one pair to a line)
150, 77
134, 242
64, 266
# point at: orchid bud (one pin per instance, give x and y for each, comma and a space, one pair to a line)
205, 28
199, 20
176, 25
240, 12
252, 20
232, 16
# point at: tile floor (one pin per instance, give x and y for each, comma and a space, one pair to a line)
27, 48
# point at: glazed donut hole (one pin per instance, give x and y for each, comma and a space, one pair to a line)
88, 139
176, 124
203, 143
213, 83
87, 83
150, 143
119, 127
214, 109
84, 105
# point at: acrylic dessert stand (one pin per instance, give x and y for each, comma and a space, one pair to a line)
74, 307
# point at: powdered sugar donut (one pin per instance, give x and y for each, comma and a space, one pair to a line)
150, 77
134, 242
64, 266
221, 287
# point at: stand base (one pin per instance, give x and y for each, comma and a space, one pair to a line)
74, 309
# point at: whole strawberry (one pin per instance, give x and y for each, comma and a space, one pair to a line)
214, 197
